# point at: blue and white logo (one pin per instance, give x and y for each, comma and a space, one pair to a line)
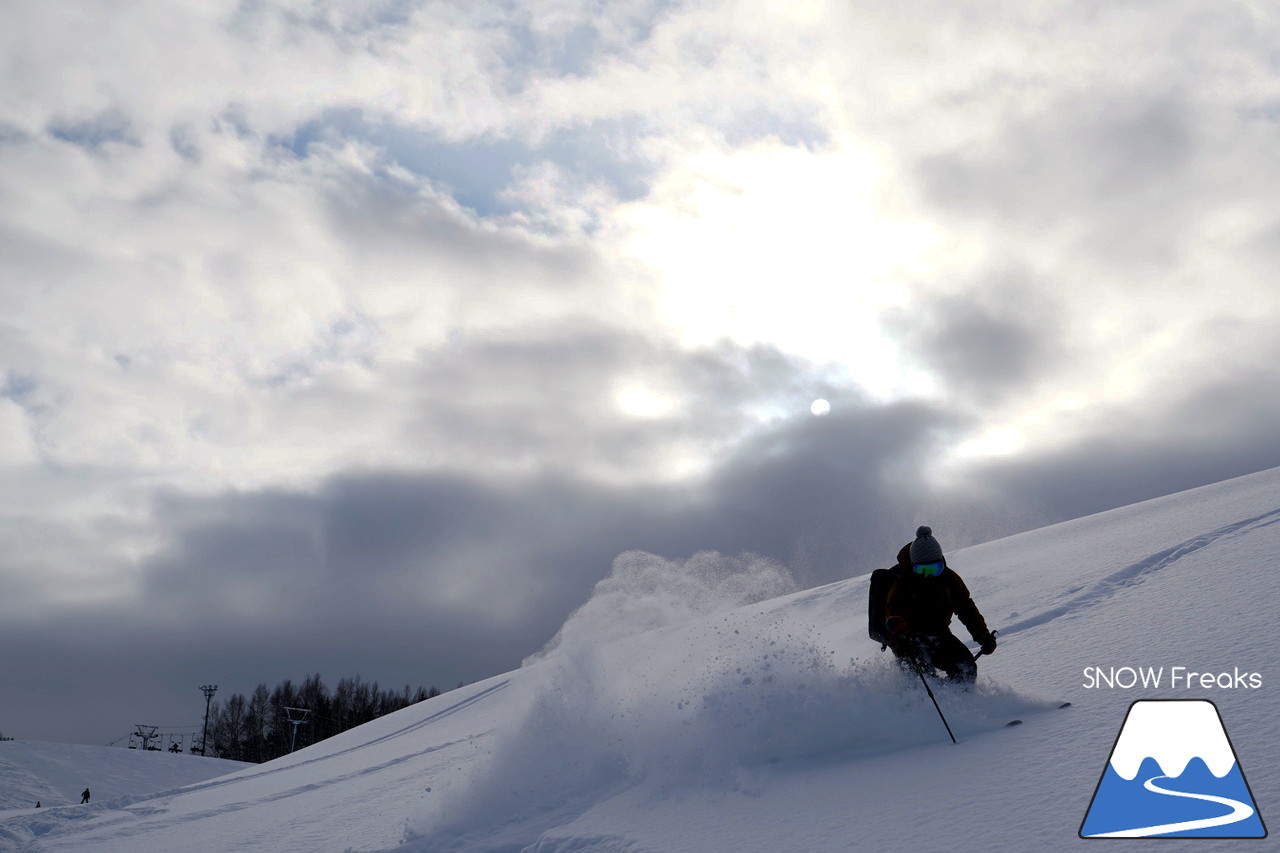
1173, 774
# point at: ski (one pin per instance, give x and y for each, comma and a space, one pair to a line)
1019, 722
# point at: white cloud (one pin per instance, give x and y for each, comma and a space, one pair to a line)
224, 267
408, 286
17, 443
773, 244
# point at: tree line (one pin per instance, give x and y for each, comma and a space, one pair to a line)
256, 727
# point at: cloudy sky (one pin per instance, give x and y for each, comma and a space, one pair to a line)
362, 337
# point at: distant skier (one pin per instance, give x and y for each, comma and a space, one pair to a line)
84, 798
925, 594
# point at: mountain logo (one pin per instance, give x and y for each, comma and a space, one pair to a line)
1173, 773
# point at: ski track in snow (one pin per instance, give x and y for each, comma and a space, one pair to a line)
113, 813
1138, 572
1239, 811
186, 817
407, 730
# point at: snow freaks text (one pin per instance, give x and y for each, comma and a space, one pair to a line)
1175, 677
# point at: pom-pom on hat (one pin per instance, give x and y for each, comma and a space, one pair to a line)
925, 549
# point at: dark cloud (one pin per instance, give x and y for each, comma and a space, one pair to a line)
997, 339
1081, 150
1214, 429
500, 545
389, 224
828, 496
546, 397
1122, 175
434, 578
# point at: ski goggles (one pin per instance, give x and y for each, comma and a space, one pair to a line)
928, 570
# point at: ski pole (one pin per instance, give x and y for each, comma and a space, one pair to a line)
927, 689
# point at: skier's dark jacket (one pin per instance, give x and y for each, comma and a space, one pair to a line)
927, 604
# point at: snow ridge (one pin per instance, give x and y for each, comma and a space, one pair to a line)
1136, 573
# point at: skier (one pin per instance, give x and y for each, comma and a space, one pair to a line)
925, 594
84, 798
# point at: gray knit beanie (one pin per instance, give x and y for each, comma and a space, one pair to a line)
925, 549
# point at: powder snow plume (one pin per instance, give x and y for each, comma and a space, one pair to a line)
664, 681
645, 591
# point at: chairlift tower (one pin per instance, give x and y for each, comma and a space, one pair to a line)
145, 734
297, 717
209, 690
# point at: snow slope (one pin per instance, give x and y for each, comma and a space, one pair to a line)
778, 726
54, 774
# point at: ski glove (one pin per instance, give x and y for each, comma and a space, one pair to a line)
988, 644
896, 625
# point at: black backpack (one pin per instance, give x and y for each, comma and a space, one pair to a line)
877, 602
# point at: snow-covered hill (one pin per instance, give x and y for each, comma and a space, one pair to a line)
54, 774
779, 726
